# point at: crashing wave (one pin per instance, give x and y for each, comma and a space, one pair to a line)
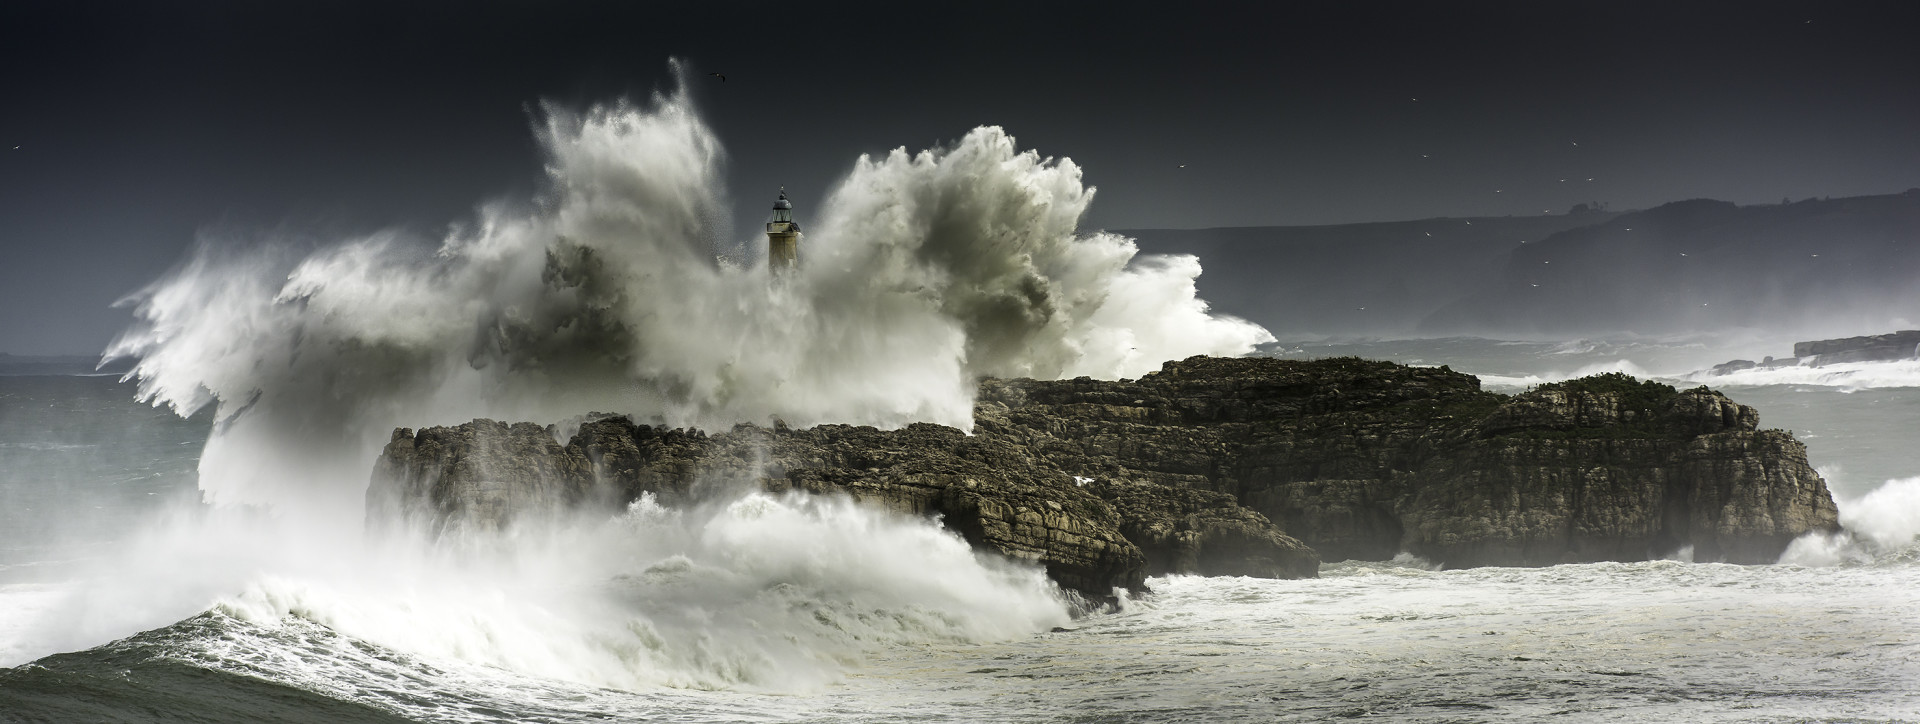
925, 271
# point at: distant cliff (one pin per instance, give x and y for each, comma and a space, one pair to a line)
1214, 466
1707, 265
1683, 267
1891, 347
1346, 279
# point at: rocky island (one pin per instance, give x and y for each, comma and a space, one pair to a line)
1213, 466
1890, 347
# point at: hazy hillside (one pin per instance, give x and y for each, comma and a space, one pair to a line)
1378, 278
1709, 265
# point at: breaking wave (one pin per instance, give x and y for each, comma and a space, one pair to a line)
924, 271
753, 592
1883, 525
1848, 376
1514, 383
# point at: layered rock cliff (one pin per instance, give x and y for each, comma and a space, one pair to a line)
1213, 466
1891, 347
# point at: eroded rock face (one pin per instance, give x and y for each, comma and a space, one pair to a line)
478, 476
1255, 467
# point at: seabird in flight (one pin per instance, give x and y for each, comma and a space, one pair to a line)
722, 78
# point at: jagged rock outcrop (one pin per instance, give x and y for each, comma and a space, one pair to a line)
1210, 466
480, 475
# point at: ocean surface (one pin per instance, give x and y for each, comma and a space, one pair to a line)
122, 598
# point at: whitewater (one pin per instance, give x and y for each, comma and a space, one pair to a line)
206, 558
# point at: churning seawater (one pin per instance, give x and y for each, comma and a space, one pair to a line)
770, 609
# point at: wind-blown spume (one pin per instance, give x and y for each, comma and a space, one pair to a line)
925, 271
743, 591
1883, 524
757, 592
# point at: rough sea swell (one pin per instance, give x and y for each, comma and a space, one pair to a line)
920, 272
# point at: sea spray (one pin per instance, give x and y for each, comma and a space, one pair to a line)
1518, 383
762, 592
747, 591
923, 271
1847, 376
1883, 525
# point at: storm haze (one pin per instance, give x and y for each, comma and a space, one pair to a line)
140, 128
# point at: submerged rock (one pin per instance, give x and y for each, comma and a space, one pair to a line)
1256, 467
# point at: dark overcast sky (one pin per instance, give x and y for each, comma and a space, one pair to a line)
139, 125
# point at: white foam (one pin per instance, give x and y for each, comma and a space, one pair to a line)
1885, 522
756, 592
1846, 376
1519, 382
920, 272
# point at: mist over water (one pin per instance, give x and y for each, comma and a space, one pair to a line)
920, 272
614, 290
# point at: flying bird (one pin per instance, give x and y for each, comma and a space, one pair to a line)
1183, 165
722, 78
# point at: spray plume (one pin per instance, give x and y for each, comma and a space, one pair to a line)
926, 271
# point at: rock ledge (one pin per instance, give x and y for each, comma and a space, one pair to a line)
1212, 466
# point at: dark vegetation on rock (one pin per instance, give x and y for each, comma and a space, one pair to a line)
1257, 467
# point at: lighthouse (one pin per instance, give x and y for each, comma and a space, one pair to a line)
783, 236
